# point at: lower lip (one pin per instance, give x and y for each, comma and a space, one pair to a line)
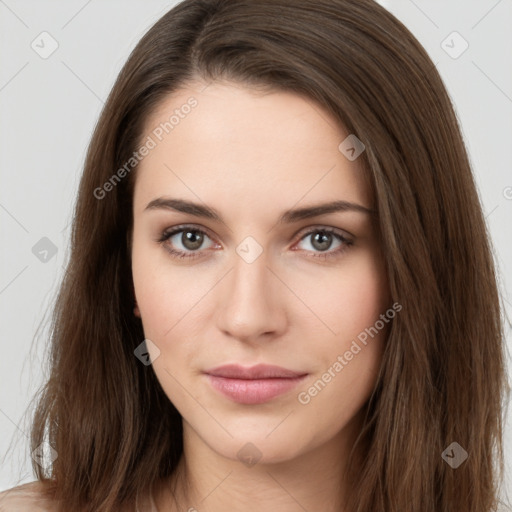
256, 391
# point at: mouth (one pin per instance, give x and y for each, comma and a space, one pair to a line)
254, 385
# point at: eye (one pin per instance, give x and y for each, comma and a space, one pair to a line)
321, 239
187, 239
187, 242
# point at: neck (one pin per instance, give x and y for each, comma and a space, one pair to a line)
208, 482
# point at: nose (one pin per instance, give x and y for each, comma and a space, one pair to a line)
251, 303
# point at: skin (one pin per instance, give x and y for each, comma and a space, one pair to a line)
252, 156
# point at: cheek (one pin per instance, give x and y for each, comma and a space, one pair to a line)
164, 294
350, 362
362, 332
365, 295
157, 296
347, 299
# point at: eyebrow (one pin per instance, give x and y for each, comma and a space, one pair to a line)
287, 217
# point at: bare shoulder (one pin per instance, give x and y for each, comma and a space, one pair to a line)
27, 498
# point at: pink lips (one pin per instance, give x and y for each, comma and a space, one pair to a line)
254, 385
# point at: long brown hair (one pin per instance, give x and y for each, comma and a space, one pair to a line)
442, 378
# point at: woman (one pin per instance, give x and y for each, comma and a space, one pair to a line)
281, 293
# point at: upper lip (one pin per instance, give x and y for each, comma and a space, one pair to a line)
259, 371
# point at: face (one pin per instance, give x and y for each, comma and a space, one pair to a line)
237, 280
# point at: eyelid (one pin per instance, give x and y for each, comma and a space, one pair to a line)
321, 227
183, 227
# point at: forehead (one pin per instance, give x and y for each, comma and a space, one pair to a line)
225, 142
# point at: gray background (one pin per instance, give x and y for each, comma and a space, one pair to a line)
48, 109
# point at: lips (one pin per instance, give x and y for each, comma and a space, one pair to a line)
253, 385
260, 371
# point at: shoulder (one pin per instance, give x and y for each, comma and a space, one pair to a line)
27, 498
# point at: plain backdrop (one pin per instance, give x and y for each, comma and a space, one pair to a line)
49, 105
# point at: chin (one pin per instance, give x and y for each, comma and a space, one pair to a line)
256, 446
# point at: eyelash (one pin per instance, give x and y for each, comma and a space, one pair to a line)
166, 235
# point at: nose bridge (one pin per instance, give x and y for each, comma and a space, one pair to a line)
249, 307
250, 279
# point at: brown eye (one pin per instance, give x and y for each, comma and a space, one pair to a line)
183, 241
191, 239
